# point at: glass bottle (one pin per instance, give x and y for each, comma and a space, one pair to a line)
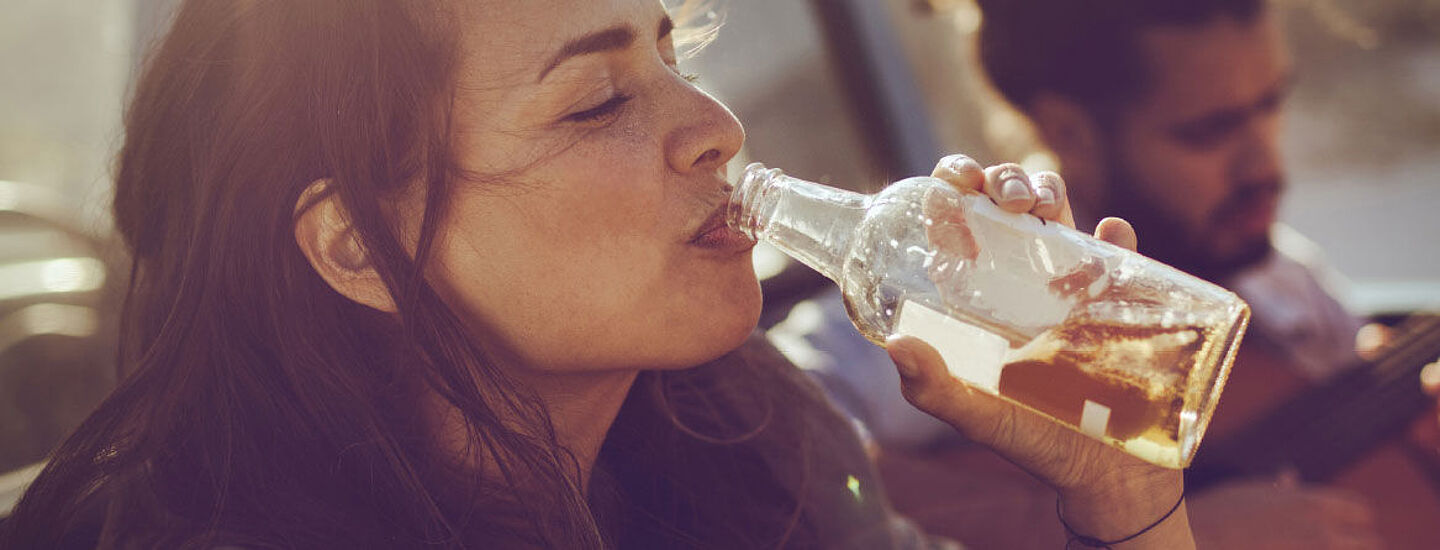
1098, 338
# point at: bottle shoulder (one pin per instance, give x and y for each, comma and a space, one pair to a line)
915, 188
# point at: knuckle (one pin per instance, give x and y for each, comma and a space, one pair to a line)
959, 161
1049, 192
915, 396
1048, 179
958, 165
1008, 170
1002, 430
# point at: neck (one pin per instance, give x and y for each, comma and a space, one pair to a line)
581, 408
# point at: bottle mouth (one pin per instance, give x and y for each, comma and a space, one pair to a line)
744, 214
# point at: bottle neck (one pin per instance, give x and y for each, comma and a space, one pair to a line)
810, 222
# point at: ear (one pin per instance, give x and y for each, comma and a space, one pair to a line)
332, 244
1075, 135
1067, 128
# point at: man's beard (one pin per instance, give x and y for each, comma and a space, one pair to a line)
1164, 238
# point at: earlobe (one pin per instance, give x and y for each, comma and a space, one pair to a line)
1067, 128
333, 246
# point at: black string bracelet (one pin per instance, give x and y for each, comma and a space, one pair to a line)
1092, 542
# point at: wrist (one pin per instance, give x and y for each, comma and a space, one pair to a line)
1149, 504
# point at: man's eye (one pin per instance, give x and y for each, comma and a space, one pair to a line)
1208, 134
601, 111
1203, 138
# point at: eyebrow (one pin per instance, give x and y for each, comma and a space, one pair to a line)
611, 39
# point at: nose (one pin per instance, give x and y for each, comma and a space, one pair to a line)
1259, 158
706, 138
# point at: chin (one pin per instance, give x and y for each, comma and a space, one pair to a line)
1245, 254
718, 330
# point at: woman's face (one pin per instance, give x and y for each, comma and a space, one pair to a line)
584, 238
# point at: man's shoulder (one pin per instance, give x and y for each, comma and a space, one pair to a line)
1297, 301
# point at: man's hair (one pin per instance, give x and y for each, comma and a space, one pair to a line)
1086, 51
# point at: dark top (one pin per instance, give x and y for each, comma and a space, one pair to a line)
777, 454
743, 452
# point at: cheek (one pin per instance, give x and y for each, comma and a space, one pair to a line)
536, 267
586, 268
1186, 183
1201, 182
595, 277
644, 309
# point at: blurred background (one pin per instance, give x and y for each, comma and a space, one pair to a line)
850, 92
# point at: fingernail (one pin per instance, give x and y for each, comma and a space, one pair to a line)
1044, 196
962, 164
1014, 189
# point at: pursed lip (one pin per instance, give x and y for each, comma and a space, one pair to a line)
716, 234
715, 221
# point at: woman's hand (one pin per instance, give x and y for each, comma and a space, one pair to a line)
1107, 494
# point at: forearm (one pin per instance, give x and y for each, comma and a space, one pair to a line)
1119, 509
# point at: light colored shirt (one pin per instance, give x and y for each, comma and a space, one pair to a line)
1292, 296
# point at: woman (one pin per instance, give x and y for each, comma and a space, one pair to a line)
415, 274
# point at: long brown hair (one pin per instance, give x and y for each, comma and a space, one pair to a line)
255, 396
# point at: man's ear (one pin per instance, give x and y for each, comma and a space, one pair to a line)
1066, 127
1075, 136
332, 244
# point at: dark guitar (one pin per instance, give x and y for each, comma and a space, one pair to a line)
1346, 432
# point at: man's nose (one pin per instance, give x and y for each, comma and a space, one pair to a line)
1259, 156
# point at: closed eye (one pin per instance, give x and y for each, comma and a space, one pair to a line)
604, 110
1210, 131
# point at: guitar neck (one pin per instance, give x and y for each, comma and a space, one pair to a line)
1324, 429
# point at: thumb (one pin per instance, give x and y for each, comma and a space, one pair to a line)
928, 385
1118, 232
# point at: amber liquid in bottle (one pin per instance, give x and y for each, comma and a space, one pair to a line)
1097, 338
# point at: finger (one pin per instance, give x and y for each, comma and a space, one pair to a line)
1370, 340
929, 386
1051, 202
1424, 434
947, 228
1117, 232
962, 172
1430, 378
1009, 187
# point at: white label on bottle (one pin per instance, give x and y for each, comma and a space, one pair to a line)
1094, 419
971, 353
